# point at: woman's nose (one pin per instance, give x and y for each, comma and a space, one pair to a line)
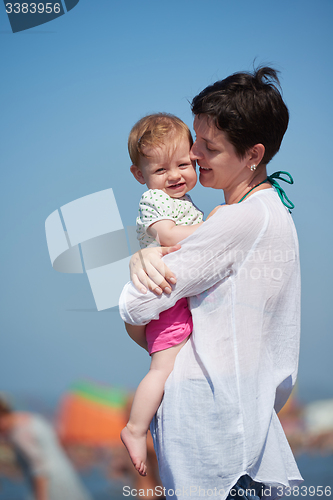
195, 153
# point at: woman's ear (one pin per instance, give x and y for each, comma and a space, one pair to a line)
256, 154
137, 174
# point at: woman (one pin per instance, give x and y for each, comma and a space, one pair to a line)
217, 426
44, 464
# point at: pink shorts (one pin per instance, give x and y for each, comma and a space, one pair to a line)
172, 327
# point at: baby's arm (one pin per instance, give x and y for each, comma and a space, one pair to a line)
138, 334
167, 233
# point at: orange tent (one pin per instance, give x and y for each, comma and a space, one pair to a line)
92, 414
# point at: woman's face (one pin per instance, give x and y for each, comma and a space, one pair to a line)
220, 167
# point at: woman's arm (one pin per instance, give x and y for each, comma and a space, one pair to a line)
159, 277
207, 257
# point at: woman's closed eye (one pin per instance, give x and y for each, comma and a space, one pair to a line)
210, 146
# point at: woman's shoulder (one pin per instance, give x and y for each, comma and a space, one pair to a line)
252, 208
269, 201
259, 213
260, 204
237, 222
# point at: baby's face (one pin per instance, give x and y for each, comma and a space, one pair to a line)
169, 169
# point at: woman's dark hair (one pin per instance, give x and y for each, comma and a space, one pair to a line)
249, 108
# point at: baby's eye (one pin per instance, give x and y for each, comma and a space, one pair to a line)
159, 170
185, 165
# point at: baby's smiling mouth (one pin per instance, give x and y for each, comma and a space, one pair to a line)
175, 186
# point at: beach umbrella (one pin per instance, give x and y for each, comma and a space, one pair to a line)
92, 414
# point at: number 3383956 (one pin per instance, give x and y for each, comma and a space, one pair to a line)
32, 8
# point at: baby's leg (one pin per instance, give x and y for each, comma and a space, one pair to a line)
146, 401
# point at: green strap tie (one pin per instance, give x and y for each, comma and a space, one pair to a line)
283, 197
271, 178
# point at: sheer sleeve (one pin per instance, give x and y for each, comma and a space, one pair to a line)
212, 254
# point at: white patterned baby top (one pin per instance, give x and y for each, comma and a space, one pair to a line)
156, 205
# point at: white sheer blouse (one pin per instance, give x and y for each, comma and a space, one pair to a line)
218, 419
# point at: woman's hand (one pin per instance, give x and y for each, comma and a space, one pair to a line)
148, 271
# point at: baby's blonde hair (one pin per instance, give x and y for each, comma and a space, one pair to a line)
150, 132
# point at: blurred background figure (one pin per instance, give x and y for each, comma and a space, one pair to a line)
44, 464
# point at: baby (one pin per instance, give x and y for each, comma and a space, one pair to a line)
159, 146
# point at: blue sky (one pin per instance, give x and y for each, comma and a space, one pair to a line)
71, 91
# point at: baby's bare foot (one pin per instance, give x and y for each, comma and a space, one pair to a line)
137, 449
